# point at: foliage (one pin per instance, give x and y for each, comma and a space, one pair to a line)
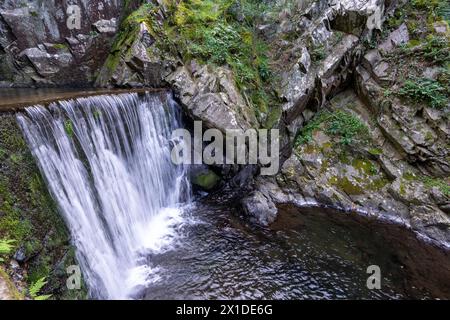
438, 8
437, 49
427, 90
6, 246
318, 53
36, 287
344, 125
222, 33
439, 183
347, 126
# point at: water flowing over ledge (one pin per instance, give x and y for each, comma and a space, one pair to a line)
106, 160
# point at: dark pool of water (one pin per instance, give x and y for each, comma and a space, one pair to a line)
306, 254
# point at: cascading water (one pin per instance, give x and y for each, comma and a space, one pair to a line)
107, 162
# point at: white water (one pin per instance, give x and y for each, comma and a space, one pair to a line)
107, 162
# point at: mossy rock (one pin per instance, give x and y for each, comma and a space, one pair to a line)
206, 180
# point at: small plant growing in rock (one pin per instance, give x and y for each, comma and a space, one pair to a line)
36, 287
318, 53
6, 246
437, 49
347, 126
425, 90
344, 125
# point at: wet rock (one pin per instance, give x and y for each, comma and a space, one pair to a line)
259, 208
432, 219
106, 26
20, 255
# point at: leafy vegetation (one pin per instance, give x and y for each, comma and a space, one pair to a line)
6, 246
437, 49
437, 8
341, 124
439, 183
28, 215
421, 89
318, 53
36, 287
222, 33
429, 182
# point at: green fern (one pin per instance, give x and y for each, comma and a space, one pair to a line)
6, 246
36, 287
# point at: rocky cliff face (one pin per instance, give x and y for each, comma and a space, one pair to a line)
360, 94
41, 44
380, 147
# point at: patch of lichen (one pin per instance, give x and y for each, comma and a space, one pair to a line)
28, 215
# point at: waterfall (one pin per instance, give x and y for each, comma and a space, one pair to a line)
106, 160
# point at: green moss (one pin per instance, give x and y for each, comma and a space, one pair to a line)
60, 46
365, 166
409, 176
68, 127
442, 185
12, 290
346, 185
375, 151
207, 180
402, 188
318, 53
377, 184
28, 214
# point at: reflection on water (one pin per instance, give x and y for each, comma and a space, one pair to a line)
305, 255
